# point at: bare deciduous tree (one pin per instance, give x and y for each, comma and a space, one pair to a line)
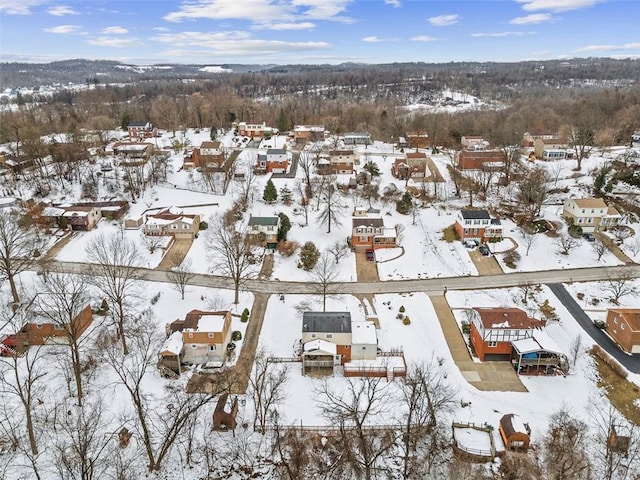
180, 273
230, 252
338, 249
116, 274
576, 349
564, 449
20, 248
532, 191
323, 275
266, 388
619, 286
64, 301
330, 212
566, 243
352, 410
428, 399
599, 248
529, 239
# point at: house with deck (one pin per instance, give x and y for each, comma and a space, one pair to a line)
494, 329
591, 214
477, 225
411, 164
368, 231
172, 222
264, 230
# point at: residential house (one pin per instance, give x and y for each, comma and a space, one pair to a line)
40, 330
277, 160
364, 341
494, 329
341, 162
209, 156
326, 340
133, 153
264, 230
591, 214
141, 130
78, 217
368, 231
305, 133
172, 353
529, 138
353, 138
474, 142
172, 222
550, 144
551, 154
205, 336
412, 164
477, 225
417, 140
254, 130
623, 325
480, 160
515, 434
635, 139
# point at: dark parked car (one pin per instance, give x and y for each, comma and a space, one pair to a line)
484, 250
371, 257
589, 238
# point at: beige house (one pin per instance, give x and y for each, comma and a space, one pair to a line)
592, 214
341, 161
264, 230
172, 222
364, 341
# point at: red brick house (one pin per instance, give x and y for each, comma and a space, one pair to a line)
493, 330
303, 133
477, 225
248, 129
414, 164
42, 331
623, 325
172, 222
418, 140
141, 130
209, 156
368, 231
480, 160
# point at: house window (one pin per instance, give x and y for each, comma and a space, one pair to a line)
210, 334
58, 327
313, 335
185, 227
212, 348
329, 335
622, 326
190, 335
493, 344
194, 346
39, 325
615, 320
174, 226
589, 220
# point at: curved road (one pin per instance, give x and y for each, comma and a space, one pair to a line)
430, 285
630, 362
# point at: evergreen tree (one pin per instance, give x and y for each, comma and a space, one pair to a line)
309, 255
286, 195
270, 194
125, 120
372, 168
284, 123
285, 226
405, 203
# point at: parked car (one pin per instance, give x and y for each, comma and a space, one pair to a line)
588, 237
371, 256
484, 250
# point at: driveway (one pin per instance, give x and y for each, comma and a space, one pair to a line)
486, 265
366, 271
487, 376
176, 252
630, 362
613, 248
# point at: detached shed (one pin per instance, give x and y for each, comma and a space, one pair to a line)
514, 433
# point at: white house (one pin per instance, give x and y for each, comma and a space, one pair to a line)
592, 214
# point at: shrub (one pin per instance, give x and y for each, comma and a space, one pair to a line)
236, 335
548, 312
575, 231
405, 204
204, 225
406, 321
270, 193
244, 318
580, 296
286, 248
511, 259
402, 309
449, 234
285, 226
466, 327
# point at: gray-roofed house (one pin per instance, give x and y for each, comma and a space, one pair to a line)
264, 230
326, 340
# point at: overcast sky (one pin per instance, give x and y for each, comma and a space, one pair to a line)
317, 31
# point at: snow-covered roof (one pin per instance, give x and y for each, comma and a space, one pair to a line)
320, 346
539, 341
211, 322
363, 333
173, 344
52, 212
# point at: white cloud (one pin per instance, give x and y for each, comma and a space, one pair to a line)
61, 11
161, 29
556, 5
63, 29
609, 48
232, 43
443, 20
286, 26
18, 7
533, 18
372, 39
261, 11
423, 38
116, 42
500, 34
393, 3
115, 30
